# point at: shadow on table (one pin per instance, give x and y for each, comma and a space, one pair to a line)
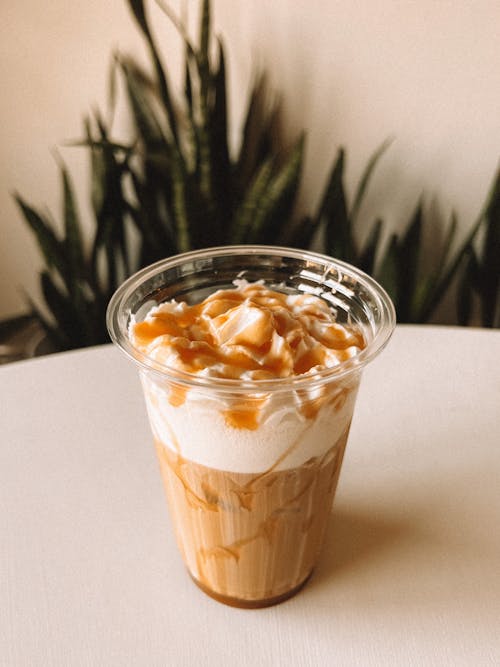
353, 537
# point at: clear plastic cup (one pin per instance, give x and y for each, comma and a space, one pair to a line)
250, 468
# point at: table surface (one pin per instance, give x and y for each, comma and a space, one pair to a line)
409, 575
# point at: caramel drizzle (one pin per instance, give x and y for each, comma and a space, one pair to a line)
219, 334
213, 503
244, 493
267, 528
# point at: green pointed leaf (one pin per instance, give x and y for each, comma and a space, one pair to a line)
50, 246
110, 233
388, 273
145, 119
409, 249
156, 232
192, 159
113, 83
221, 164
181, 218
68, 318
419, 313
280, 196
116, 146
432, 287
448, 242
203, 129
205, 162
247, 148
97, 171
188, 85
273, 207
73, 243
490, 260
448, 272
202, 53
367, 257
138, 11
200, 100
333, 211
365, 179
257, 138
179, 26
205, 31
467, 280
247, 211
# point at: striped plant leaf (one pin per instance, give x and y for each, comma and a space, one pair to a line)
275, 196
388, 271
489, 263
447, 243
110, 233
368, 255
280, 197
178, 185
70, 319
333, 214
145, 119
181, 218
139, 13
97, 169
73, 242
113, 84
409, 248
193, 156
449, 271
51, 247
153, 222
257, 144
365, 179
432, 287
204, 144
202, 54
221, 163
466, 286
247, 210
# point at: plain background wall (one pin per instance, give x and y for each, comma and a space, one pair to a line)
350, 72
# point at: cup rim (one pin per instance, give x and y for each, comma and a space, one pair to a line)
117, 322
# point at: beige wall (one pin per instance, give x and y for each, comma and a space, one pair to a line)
351, 72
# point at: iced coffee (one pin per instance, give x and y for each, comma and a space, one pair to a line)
250, 359
249, 476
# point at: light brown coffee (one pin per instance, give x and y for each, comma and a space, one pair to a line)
250, 539
250, 469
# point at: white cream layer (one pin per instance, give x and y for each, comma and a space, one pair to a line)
249, 332
198, 431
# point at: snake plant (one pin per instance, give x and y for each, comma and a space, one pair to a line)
177, 185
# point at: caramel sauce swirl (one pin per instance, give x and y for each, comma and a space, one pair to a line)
238, 532
249, 332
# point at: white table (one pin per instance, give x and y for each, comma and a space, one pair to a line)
410, 573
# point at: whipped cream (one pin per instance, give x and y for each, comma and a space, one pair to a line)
248, 333
198, 430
